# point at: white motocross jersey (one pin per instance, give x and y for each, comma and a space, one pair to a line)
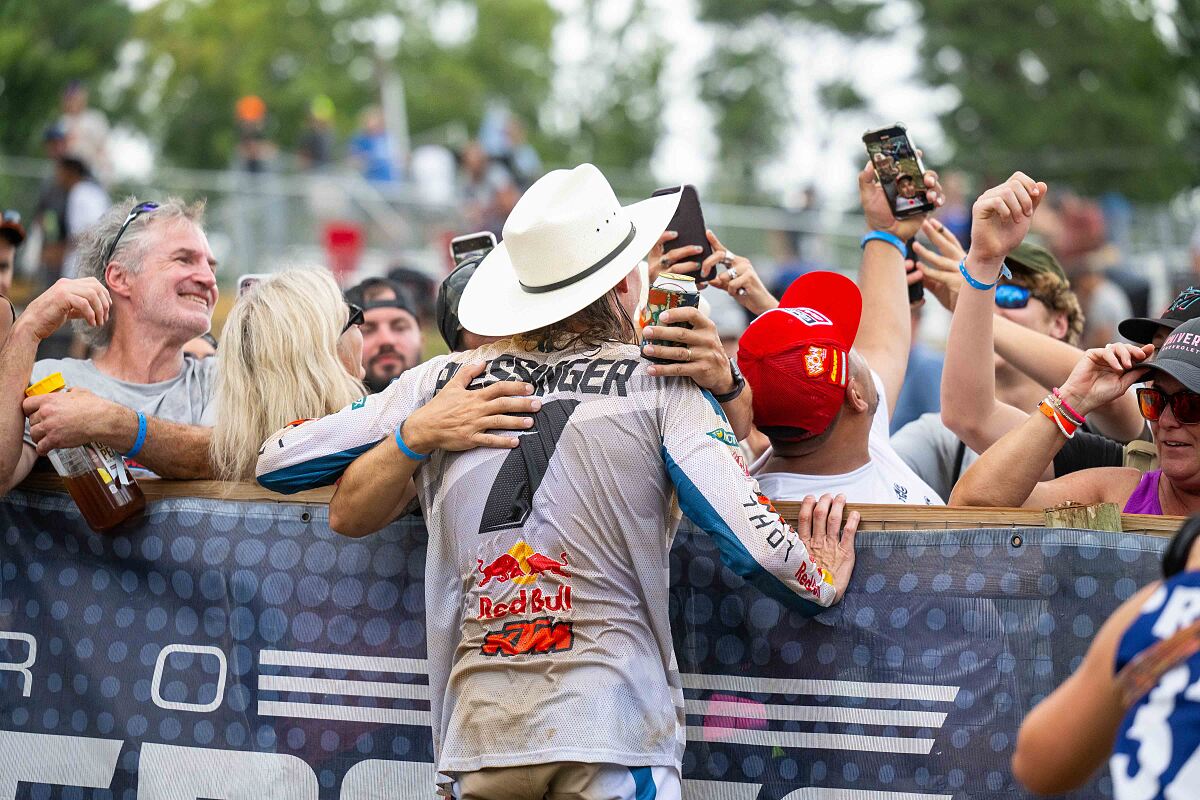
546, 572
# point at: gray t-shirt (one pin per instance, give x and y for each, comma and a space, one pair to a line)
1106, 308
187, 398
931, 450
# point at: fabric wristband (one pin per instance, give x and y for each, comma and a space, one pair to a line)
141, 437
883, 236
413, 454
1065, 426
1005, 272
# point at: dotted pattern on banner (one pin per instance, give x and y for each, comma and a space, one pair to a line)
998, 625
236, 578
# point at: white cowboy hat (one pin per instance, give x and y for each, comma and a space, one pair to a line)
566, 243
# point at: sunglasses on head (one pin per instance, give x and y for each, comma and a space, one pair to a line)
1009, 295
137, 211
356, 317
1185, 405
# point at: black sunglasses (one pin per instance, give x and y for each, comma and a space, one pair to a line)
138, 210
356, 317
1185, 405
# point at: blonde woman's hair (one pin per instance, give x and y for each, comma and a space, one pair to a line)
278, 363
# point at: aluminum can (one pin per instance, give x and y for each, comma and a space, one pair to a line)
669, 291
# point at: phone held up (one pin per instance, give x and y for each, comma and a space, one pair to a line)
900, 171
688, 222
471, 245
916, 291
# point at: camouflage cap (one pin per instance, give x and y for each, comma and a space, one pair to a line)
1034, 260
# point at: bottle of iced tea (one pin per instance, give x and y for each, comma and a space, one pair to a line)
95, 475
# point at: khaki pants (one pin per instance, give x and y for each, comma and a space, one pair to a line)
568, 780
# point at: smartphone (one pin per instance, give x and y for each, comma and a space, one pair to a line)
246, 282
471, 245
900, 171
688, 222
916, 291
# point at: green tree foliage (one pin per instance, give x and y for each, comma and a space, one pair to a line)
1081, 92
1095, 94
202, 56
607, 104
45, 44
746, 80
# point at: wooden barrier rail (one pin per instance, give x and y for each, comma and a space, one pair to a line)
874, 517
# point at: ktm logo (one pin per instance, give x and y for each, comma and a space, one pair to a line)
538, 636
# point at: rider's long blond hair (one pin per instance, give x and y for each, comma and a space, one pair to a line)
278, 362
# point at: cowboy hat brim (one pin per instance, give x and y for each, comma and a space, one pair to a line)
495, 304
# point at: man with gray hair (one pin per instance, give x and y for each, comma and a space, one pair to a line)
147, 287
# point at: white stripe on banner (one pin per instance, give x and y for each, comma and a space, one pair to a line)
854, 716
398, 691
811, 793
287, 658
810, 741
386, 716
885, 691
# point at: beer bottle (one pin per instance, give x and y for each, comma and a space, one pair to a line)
95, 475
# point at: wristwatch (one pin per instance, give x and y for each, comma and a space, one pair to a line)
739, 384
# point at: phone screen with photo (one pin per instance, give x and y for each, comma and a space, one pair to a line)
900, 171
473, 246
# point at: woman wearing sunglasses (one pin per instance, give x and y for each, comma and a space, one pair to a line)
290, 349
1036, 328
1007, 474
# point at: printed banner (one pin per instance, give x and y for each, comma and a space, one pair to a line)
238, 650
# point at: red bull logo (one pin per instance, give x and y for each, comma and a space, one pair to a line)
521, 565
526, 602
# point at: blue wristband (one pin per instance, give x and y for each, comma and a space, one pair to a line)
1005, 272
413, 454
141, 437
883, 236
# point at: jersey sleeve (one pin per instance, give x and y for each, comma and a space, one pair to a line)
717, 493
310, 453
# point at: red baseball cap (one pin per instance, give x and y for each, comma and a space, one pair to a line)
796, 357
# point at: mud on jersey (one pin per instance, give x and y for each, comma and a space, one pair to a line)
546, 570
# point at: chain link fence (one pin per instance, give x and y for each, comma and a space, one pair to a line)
266, 221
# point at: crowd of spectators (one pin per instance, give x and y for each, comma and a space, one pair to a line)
750, 394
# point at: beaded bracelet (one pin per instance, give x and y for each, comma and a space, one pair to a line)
1075, 416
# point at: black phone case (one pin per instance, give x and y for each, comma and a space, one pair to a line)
688, 222
916, 291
